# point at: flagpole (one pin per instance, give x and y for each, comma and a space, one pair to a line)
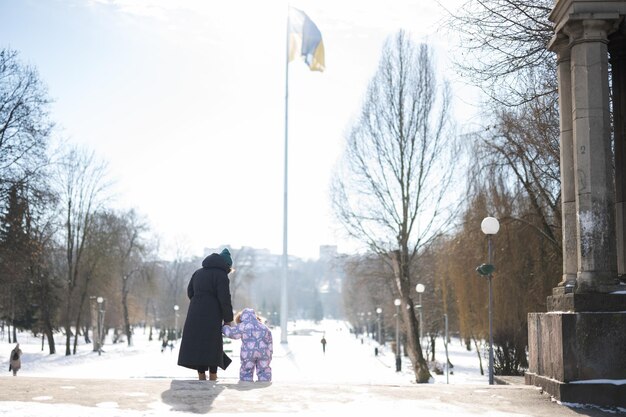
285, 269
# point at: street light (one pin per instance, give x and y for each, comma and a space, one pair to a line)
445, 344
420, 289
397, 302
369, 323
176, 321
379, 312
489, 227
101, 307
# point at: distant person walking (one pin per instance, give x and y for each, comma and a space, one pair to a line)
323, 341
210, 306
256, 345
15, 361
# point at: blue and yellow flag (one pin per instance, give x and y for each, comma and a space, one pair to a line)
305, 40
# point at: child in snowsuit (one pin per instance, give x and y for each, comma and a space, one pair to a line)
256, 345
15, 361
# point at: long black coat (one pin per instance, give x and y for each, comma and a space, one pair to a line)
209, 308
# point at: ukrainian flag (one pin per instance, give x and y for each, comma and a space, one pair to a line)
305, 40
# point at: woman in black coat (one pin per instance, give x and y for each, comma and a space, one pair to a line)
210, 306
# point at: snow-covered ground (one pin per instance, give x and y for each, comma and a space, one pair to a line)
347, 359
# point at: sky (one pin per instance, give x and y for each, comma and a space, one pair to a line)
185, 101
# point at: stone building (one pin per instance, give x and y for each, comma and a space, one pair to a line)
577, 350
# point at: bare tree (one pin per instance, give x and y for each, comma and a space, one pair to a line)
129, 248
24, 124
502, 43
243, 262
176, 274
504, 52
96, 260
150, 284
24, 198
436, 301
522, 150
391, 191
44, 284
364, 291
81, 182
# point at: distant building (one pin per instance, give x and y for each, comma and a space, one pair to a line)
314, 286
328, 252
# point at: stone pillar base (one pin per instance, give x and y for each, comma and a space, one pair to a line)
578, 357
566, 301
608, 395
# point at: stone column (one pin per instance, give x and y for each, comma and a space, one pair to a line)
561, 46
617, 51
582, 336
597, 269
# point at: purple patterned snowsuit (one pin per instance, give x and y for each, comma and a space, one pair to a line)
256, 346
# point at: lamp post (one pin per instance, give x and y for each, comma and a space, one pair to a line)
489, 227
101, 306
93, 303
363, 331
445, 344
420, 289
379, 312
397, 302
176, 321
369, 324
